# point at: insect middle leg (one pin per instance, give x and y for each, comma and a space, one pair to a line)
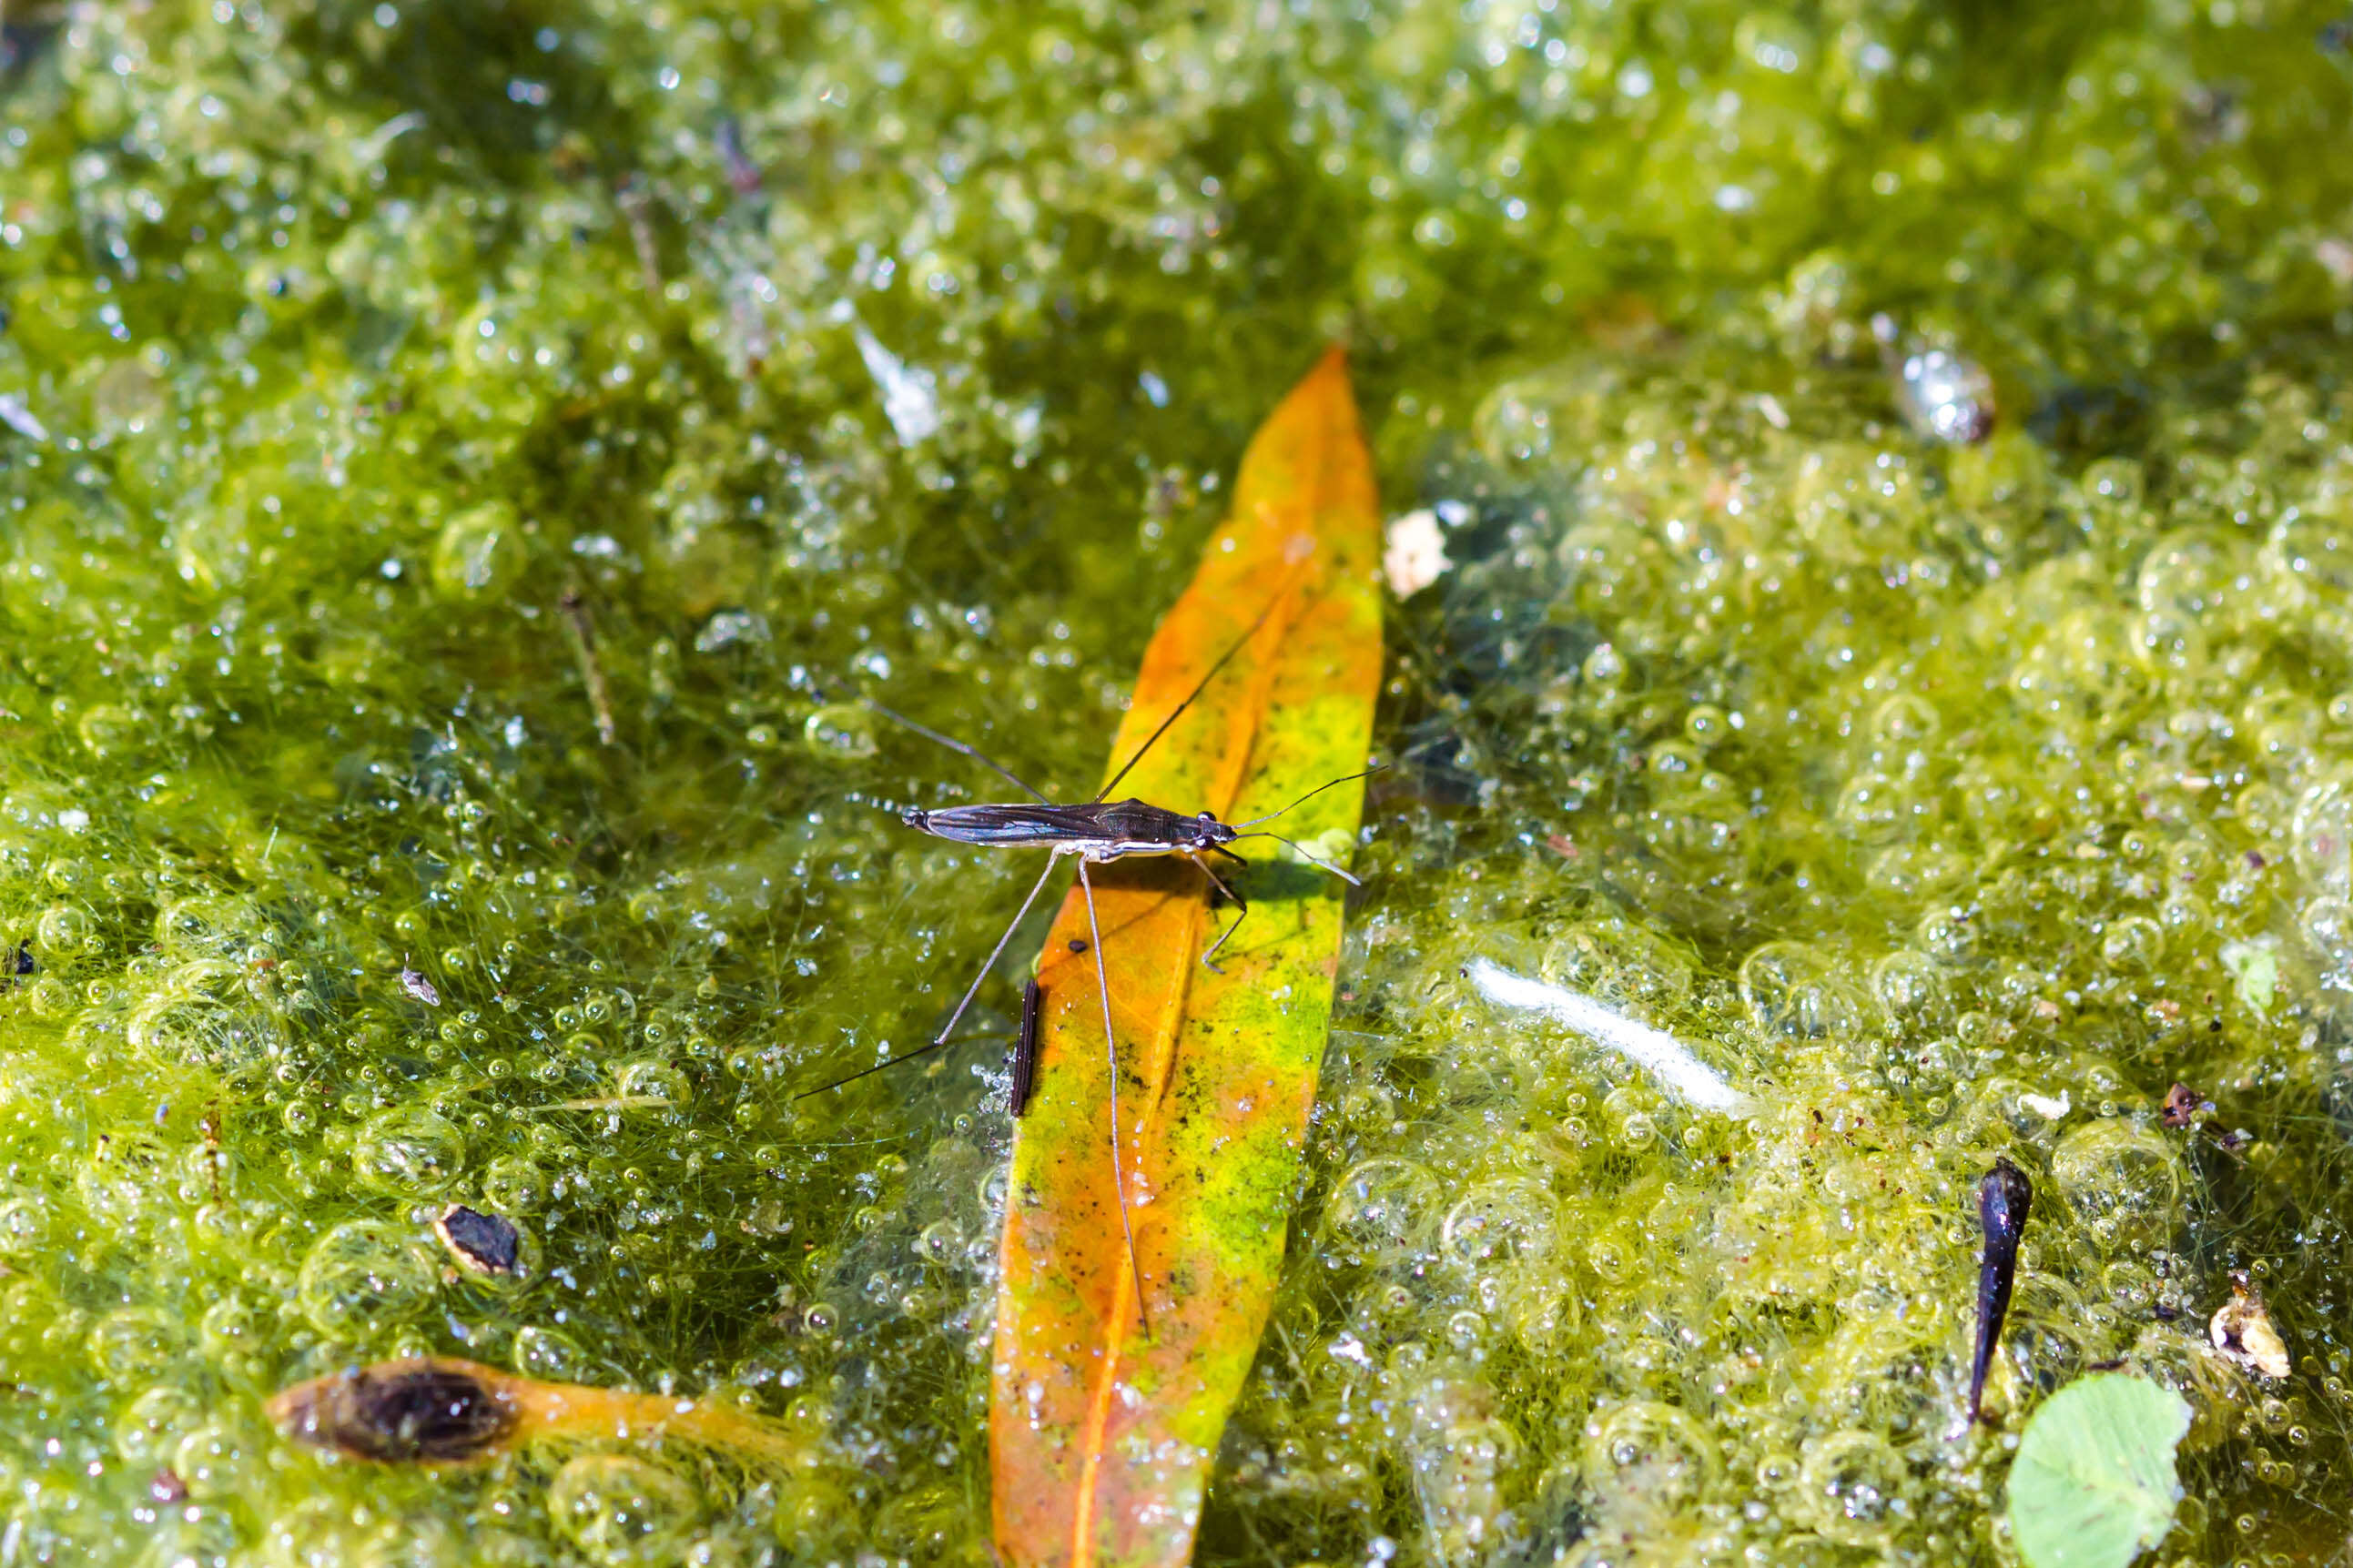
1111, 1050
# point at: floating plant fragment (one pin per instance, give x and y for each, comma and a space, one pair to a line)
1660, 1055
2254, 965
2094, 1484
433, 1410
2004, 1198
910, 400
2241, 1329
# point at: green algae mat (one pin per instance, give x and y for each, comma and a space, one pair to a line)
463, 466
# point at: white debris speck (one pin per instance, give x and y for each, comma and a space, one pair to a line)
908, 397
1775, 414
416, 986
2048, 1106
73, 819
1156, 391
598, 547
1414, 554
1454, 513
19, 418
516, 735
1655, 1051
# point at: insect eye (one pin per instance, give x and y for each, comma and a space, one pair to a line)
1209, 817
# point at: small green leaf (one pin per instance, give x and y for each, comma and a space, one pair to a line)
2255, 966
2094, 1484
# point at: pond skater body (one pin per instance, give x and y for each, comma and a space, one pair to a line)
1108, 830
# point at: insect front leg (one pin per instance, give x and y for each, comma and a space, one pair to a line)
1208, 958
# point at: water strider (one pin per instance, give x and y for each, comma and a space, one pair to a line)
1094, 833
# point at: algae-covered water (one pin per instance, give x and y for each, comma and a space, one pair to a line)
460, 460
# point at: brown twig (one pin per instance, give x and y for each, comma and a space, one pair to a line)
584, 643
437, 1410
637, 210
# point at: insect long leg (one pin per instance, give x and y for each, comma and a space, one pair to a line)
1111, 1049
1239, 901
953, 744
970, 992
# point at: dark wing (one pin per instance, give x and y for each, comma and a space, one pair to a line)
1042, 824
1135, 822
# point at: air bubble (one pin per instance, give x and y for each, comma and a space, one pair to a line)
2122, 1181
480, 555
622, 1510
152, 1424
1909, 986
549, 1354
840, 732
655, 1080
363, 1278
1510, 1220
1651, 1451
409, 1151
1798, 990
1851, 1487
1382, 1208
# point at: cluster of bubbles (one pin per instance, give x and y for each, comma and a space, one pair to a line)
1950, 802
459, 466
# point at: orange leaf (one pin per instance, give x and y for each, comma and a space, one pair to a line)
1101, 1436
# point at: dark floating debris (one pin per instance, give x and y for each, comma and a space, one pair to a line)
482, 1243
402, 1412
1025, 1051
418, 986
2004, 1198
1942, 397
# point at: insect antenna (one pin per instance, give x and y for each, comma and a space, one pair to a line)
1304, 799
1207, 675
975, 752
1304, 855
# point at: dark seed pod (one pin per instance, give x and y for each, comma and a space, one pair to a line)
2004, 1198
403, 1412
